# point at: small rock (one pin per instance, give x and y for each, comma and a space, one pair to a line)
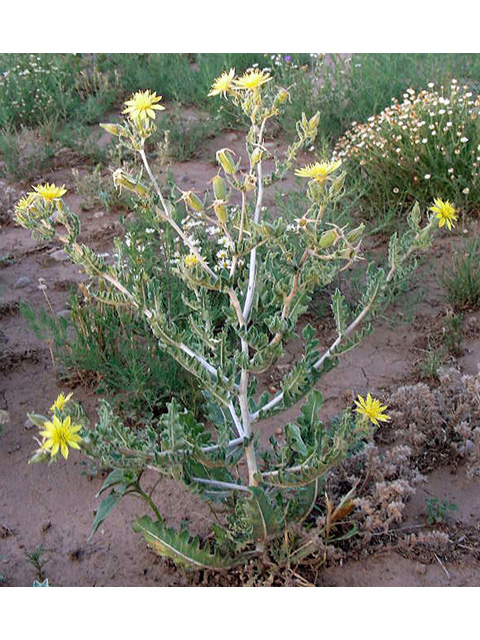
29, 424
98, 214
421, 569
59, 255
64, 313
469, 446
4, 417
22, 282
232, 137
279, 431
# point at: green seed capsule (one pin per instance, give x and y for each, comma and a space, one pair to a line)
220, 211
192, 201
356, 234
121, 179
256, 156
337, 184
225, 159
219, 188
140, 189
328, 238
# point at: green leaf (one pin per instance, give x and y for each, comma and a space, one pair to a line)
172, 434
118, 476
181, 548
37, 419
261, 516
104, 510
340, 311
294, 439
302, 501
310, 408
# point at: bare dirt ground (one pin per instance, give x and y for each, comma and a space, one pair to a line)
53, 505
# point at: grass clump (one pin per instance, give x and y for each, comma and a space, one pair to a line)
462, 280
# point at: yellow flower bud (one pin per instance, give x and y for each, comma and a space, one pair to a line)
281, 97
227, 162
112, 129
219, 188
191, 260
313, 123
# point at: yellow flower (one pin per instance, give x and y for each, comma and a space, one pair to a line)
446, 212
252, 79
319, 171
60, 402
222, 84
26, 202
372, 409
59, 435
142, 105
191, 260
49, 192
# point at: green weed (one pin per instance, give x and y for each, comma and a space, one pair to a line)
437, 509
36, 559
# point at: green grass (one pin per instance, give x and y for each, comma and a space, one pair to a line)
357, 89
462, 278
84, 87
114, 351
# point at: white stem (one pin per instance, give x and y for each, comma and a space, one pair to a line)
256, 217
222, 485
232, 444
246, 422
236, 420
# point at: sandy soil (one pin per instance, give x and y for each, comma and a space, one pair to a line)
53, 505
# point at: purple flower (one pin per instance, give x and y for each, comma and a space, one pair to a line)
288, 58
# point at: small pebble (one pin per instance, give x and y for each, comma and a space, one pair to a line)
59, 255
22, 282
